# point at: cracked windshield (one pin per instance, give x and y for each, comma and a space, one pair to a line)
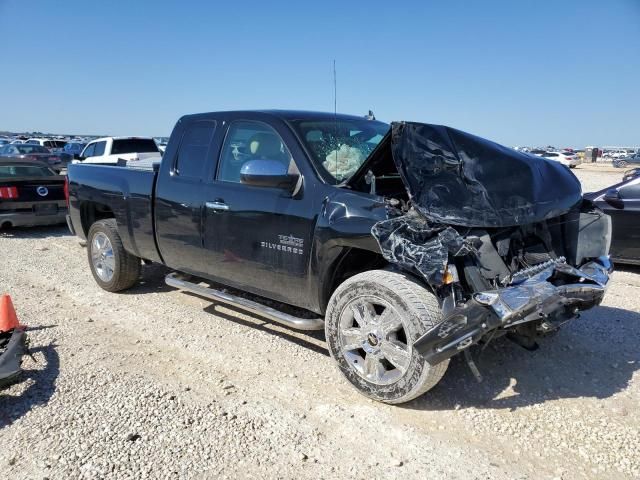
338, 148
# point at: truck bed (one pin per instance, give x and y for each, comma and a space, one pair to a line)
128, 192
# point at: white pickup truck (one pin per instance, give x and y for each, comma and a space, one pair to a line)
129, 149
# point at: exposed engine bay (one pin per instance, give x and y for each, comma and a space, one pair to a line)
504, 239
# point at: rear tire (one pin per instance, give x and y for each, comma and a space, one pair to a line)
372, 321
113, 268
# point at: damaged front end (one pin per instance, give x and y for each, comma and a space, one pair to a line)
504, 239
544, 300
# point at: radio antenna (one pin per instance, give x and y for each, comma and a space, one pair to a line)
335, 90
335, 114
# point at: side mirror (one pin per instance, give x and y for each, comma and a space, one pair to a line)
612, 197
267, 173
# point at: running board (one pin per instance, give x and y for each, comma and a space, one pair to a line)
173, 280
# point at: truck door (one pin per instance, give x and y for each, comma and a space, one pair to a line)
179, 196
257, 238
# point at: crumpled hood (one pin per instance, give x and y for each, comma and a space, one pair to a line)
456, 178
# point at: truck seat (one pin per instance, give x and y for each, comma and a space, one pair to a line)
267, 146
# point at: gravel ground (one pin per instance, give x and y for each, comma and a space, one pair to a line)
156, 383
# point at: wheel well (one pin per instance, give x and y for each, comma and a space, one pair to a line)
352, 262
91, 212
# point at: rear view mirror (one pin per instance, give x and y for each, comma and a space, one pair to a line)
267, 173
612, 197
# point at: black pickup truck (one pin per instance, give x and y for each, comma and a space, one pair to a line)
407, 243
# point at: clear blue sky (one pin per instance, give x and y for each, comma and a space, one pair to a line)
565, 73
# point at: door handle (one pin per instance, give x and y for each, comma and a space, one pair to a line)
217, 206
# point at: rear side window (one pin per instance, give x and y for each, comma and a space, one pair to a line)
133, 145
194, 149
99, 149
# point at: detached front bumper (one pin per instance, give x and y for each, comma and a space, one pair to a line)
557, 288
12, 347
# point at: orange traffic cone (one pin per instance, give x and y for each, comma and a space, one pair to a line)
8, 317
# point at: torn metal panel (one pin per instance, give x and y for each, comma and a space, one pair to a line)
412, 243
456, 178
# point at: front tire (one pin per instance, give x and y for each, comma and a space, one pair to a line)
372, 320
113, 268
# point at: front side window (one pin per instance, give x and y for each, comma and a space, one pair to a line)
250, 140
88, 152
99, 149
194, 148
339, 147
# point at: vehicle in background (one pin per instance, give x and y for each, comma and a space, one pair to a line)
580, 153
56, 161
74, 148
622, 203
629, 174
30, 194
17, 141
110, 150
49, 143
397, 255
623, 162
568, 159
615, 153
4, 141
537, 152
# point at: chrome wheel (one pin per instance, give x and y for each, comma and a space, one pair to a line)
374, 341
102, 257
